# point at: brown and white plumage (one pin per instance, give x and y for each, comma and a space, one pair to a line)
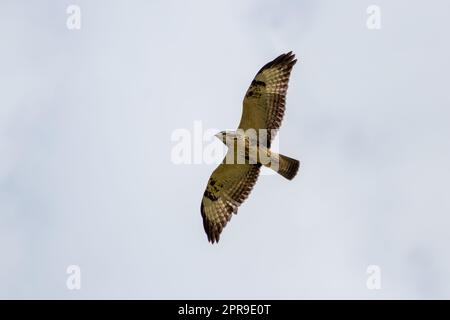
228, 187
265, 100
263, 108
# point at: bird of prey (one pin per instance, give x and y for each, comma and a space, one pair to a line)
249, 147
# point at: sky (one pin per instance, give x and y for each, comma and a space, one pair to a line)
86, 170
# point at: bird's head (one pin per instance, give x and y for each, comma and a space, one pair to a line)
222, 136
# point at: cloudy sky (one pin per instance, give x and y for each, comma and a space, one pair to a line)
87, 178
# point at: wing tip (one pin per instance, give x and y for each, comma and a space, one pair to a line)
212, 235
288, 59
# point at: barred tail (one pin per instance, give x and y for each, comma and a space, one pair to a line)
287, 167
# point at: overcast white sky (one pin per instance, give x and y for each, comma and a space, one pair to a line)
86, 177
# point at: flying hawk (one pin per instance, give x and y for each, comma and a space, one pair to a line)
249, 146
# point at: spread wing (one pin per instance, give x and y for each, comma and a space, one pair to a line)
264, 102
228, 187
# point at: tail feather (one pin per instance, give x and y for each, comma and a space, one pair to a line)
288, 167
